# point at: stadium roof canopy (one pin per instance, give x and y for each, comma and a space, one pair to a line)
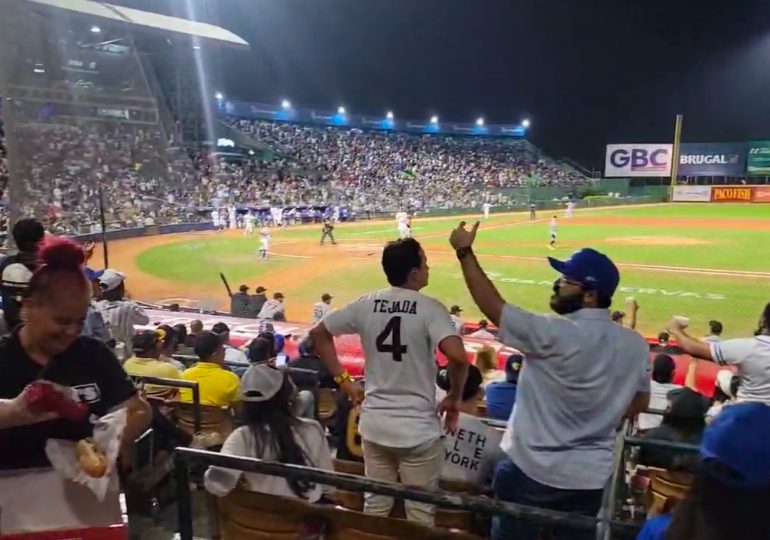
147, 20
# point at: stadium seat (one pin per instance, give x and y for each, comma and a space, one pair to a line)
327, 404
666, 490
353, 500
213, 419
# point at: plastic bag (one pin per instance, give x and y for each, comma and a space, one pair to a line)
108, 431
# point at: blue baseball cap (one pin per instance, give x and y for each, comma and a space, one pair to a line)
736, 439
593, 269
91, 274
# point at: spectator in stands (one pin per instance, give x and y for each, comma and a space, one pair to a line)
256, 302
49, 344
119, 313
662, 383
471, 452
715, 328
274, 309
217, 386
309, 359
501, 395
146, 362
94, 325
182, 339
486, 361
239, 302
750, 356
168, 342
482, 332
583, 374
665, 346
233, 355
16, 270
272, 432
617, 316
683, 421
196, 327
454, 314
726, 390
730, 495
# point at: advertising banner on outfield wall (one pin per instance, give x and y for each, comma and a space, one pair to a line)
732, 194
712, 159
626, 160
762, 194
758, 160
691, 194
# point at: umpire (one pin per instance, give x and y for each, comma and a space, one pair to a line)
327, 232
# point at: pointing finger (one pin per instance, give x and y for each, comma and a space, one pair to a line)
475, 228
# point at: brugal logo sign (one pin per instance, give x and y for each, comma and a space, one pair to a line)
638, 160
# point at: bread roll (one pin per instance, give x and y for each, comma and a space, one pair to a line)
91, 458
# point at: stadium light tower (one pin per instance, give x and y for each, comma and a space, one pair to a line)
219, 96
286, 104
480, 122
341, 110
389, 116
434, 119
95, 29
525, 123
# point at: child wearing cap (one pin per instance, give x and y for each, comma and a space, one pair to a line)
731, 492
271, 431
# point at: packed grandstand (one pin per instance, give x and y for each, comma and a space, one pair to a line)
577, 422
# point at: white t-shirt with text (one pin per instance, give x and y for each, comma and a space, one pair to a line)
470, 451
400, 330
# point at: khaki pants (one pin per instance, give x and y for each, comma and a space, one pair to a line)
418, 466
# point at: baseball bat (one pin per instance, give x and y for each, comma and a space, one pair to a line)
227, 285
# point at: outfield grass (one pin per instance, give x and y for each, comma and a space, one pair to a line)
725, 237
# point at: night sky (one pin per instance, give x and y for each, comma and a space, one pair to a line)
586, 72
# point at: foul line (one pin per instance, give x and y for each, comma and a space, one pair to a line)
273, 253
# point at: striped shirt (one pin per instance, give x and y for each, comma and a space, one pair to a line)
121, 316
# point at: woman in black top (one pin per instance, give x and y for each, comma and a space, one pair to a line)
48, 346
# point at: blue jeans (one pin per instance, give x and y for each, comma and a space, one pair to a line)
512, 485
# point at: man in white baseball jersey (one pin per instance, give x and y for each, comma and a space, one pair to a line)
485, 208
248, 223
215, 218
570, 208
273, 309
264, 243
553, 227
400, 329
233, 217
323, 308
402, 222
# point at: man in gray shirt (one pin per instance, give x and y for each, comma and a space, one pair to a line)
583, 375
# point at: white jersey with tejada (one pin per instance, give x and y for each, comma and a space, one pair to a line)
751, 356
400, 330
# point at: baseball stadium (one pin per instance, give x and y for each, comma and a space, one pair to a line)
227, 316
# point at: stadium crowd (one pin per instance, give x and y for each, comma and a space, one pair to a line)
62, 163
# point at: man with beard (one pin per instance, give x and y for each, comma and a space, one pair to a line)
583, 374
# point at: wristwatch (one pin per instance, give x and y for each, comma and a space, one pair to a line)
462, 252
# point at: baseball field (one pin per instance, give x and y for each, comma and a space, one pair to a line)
705, 261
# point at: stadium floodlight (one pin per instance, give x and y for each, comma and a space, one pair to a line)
525, 122
251, 152
95, 29
434, 119
341, 110
286, 104
480, 122
219, 95
389, 116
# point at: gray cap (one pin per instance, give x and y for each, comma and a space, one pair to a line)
260, 383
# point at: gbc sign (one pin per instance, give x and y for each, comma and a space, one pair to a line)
638, 160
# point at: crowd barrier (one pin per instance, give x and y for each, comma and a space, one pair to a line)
717, 194
184, 457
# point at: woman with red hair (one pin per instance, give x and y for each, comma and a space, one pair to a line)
47, 346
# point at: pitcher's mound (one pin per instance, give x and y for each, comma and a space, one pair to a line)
656, 241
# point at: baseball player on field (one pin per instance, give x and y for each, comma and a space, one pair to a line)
323, 308
570, 208
485, 208
400, 330
402, 223
264, 243
553, 228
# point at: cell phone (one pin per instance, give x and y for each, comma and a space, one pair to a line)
281, 359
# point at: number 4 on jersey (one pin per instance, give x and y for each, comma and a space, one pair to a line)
392, 331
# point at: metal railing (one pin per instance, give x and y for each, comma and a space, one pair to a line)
178, 383
184, 456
